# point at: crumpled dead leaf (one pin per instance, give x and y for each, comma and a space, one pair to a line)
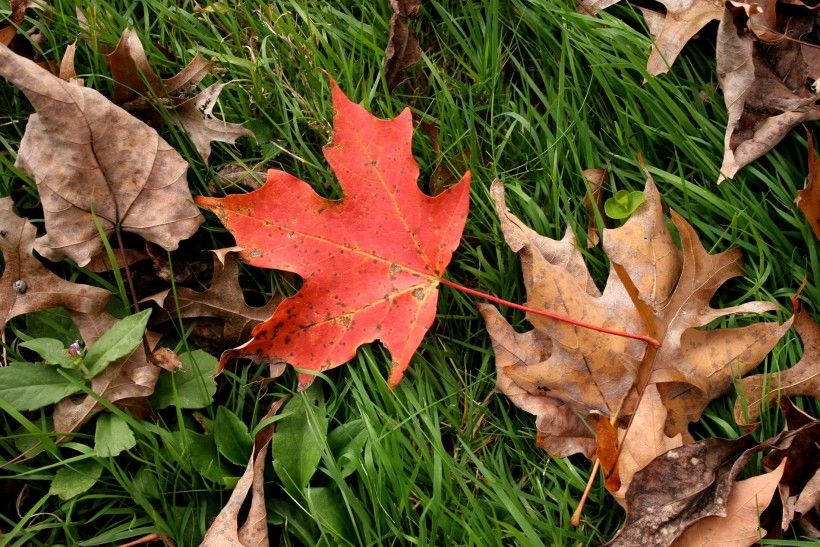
808, 199
596, 178
740, 526
562, 374
803, 378
225, 529
28, 286
8, 28
127, 384
91, 159
681, 487
765, 85
402, 45
224, 299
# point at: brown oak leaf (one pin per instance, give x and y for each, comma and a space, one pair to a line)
402, 45
91, 161
27, 285
225, 529
766, 86
803, 378
223, 299
561, 373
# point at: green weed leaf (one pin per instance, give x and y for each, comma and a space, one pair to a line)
75, 478
623, 204
112, 436
27, 386
296, 445
52, 351
232, 438
116, 342
194, 382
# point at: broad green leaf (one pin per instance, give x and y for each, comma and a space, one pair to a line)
112, 436
329, 512
232, 438
116, 342
200, 451
194, 382
297, 443
148, 483
623, 204
346, 443
52, 323
27, 386
51, 350
75, 478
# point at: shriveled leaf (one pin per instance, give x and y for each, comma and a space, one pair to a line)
26, 386
75, 478
595, 195
680, 487
192, 386
808, 199
225, 529
26, 285
765, 86
402, 45
224, 300
760, 390
90, 158
371, 262
116, 342
740, 526
112, 436
561, 373
195, 115
127, 383
682, 20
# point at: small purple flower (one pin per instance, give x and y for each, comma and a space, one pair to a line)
74, 349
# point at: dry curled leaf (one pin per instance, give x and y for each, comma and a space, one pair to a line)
224, 300
92, 160
562, 373
740, 526
766, 86
803, 378
225, 529
680, 487
27, 285
402, 45
594, 201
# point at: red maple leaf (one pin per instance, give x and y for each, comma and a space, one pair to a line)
371, 262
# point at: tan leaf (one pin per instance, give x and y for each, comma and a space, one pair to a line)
740, 526
764, 86
196, 116
225, 529
223, 299
562, 373
67, 70
595, 194
594, 6
402, 45
803, 378
674, 28
89, 159
27, 285
810, 496
126, 383
808, 199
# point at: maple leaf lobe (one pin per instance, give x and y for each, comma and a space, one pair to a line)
371, 262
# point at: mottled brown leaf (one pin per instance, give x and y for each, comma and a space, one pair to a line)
680, 487
760, 390
740, 527
765, 85
91, 158
28, 286
225, 529
402, 45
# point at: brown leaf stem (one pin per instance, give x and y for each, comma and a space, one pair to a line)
576, 516
558, 317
